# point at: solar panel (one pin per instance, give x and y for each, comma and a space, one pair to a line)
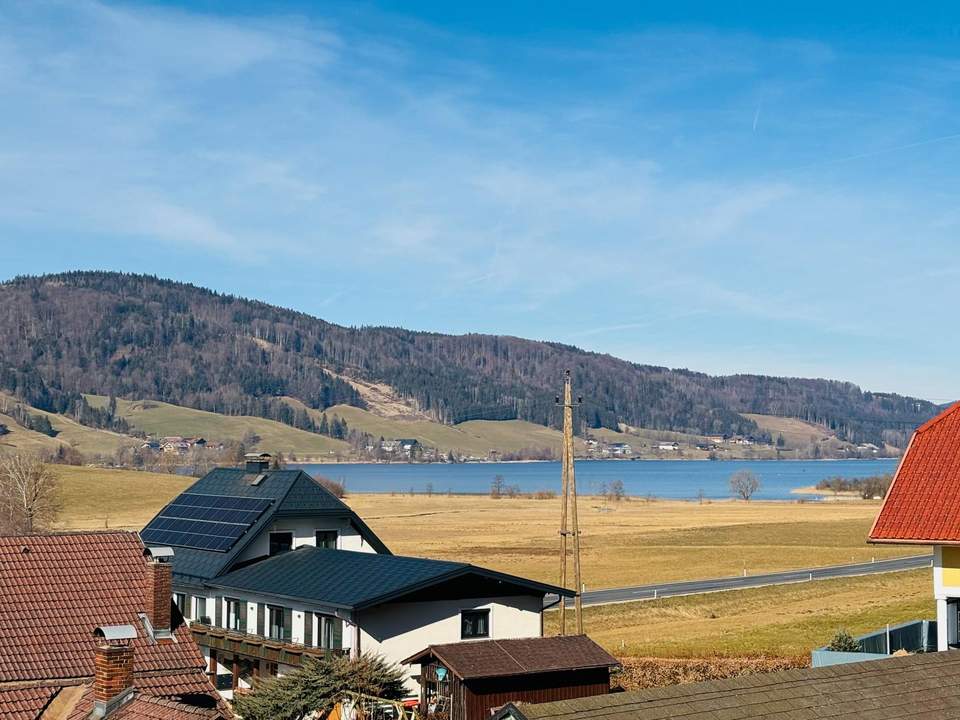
204, 522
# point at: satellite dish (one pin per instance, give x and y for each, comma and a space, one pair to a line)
441, 673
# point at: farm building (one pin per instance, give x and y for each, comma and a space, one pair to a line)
468, 680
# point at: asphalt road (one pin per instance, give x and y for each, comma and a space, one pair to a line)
696, 587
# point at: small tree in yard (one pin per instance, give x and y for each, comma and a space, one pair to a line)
843, 642
318, 685
743, 484
29, 494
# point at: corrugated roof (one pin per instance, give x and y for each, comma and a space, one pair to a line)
915, 686
477, 659
294, 493
923, 503
349, 579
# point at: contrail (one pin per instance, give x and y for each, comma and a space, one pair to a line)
756, 117
874, 153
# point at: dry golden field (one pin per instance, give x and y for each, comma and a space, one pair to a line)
626, 543
783, 620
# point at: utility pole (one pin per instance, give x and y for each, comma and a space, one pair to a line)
569, 493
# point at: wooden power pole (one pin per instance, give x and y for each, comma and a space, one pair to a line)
569, 493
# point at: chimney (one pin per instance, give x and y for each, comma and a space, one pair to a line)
257, 462
113, 668
159, 589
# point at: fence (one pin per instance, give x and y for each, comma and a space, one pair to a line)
913, 637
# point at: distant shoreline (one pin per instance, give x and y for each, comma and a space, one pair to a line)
321, 461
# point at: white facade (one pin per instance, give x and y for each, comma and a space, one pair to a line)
395, 630
398, 630
304, 531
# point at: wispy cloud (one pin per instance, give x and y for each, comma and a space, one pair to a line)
602, 188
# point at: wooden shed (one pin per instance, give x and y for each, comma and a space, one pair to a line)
467, 680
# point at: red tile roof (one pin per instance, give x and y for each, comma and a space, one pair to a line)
55, 589
923, 503
25, 703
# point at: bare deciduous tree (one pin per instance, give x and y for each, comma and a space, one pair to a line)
743, 484
29, 494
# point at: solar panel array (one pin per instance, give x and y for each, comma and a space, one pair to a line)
204, 522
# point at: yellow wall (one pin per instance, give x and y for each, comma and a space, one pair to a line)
951, 566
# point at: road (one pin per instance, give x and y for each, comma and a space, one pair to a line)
696, 587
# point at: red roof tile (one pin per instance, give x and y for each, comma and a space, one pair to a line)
24, 703
55, 589
923, 503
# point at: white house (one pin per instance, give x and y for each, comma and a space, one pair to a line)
270, 567
671, 446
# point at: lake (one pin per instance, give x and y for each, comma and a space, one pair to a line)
663, 478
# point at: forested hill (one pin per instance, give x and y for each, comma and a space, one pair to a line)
138, 337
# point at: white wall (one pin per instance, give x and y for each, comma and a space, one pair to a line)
304, 530
399, 630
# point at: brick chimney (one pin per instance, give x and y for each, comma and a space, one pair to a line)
113, 668
159, 594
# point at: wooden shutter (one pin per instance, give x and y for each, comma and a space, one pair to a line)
287, 624
308, 629
242, 613
218, 611
261, 619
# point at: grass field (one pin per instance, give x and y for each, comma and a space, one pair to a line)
89, 440
163, 419
785, 620
633, 542
627, 543
473, 438
93, 498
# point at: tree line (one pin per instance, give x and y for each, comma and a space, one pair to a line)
139, 337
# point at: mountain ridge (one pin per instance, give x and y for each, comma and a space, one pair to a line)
139, 336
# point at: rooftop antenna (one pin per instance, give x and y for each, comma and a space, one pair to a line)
569, 493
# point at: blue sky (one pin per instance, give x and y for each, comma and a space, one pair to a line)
721, 186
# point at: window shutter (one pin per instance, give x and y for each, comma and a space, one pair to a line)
336, 635
242, 612
308, 629
188, 606
287, 624
261, 620
218, 611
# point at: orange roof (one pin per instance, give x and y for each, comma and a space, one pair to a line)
923, 503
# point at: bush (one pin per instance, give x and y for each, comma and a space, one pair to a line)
844, 642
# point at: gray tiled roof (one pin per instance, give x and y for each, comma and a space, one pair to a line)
294, 493
915, 686
349, 579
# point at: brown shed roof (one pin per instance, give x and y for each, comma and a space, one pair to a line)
915, 686
497, 658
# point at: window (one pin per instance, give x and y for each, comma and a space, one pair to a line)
180, 600
329, 632
235, 619
280, 542
275, 622
327, 539
474, 624
200, 610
